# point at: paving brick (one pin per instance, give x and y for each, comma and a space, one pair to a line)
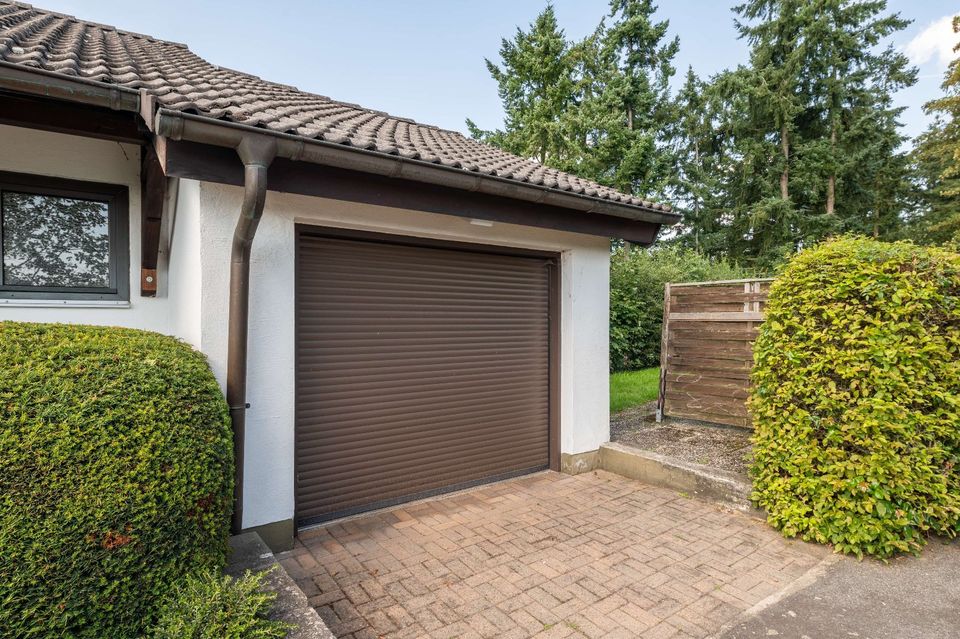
548, 556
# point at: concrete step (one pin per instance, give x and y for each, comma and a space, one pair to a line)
695, 480
248, 552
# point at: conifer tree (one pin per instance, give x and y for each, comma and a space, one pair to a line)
937, 159
810, 134
599, 108
536, 80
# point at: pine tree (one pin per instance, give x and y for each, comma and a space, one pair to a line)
636, 94
536, 81
852, 85
810, 134
937, 159
701, 145
598, 108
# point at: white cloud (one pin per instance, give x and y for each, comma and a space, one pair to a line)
935, 42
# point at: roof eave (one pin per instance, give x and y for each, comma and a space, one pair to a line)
196, 128
21, 79
177, 125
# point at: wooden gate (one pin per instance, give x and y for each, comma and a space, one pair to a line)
707, 349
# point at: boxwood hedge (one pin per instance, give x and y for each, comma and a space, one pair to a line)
115, 477
856, 397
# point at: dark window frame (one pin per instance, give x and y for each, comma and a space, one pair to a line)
117, 199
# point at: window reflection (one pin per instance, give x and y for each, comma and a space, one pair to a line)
54, 241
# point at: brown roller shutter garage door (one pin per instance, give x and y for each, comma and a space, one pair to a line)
420, 368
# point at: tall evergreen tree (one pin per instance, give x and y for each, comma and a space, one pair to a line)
810, 133
630, 110
701, 144
852, 85
937, 159
536, 80
598, 108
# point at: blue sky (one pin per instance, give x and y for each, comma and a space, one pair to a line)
423, 59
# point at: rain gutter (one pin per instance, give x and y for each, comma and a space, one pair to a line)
177, 125
31, 81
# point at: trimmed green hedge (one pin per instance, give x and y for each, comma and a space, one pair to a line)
856, 397
636, 298
115, 477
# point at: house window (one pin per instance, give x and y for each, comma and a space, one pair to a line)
62, 239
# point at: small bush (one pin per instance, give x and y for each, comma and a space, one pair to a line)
636, 298
856, 397
210, 606
115, 477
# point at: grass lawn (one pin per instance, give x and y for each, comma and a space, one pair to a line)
631, 388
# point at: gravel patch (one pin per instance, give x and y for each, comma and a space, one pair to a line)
724, 447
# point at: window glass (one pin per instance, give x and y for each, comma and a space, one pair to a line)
55, 241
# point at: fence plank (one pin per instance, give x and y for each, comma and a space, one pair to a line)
734, 316
707, 349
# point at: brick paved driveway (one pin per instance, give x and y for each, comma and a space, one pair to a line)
547, 555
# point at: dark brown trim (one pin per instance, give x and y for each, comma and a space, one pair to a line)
153, 190
179, 125
71, 118
215, 164
296, 371
555, 319
556, 323
116, 198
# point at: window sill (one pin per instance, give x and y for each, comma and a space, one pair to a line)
27, 303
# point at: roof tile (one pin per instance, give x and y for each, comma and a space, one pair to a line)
181, 80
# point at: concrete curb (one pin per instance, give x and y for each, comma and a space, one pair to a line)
696, 480
248, 552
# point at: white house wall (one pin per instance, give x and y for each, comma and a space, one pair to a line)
268, 483
181, 283
79, 158
193, 303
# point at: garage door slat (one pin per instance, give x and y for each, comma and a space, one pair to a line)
418, 369
466, 426
456, 413
466, 452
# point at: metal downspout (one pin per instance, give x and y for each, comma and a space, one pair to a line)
257, 152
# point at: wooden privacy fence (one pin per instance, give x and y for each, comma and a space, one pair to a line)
707, 349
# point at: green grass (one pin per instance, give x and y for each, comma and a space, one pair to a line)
632, 388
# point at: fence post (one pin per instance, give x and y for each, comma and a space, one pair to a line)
663, 351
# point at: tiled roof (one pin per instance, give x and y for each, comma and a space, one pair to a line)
181, 80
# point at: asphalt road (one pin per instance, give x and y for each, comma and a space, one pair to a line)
907, 598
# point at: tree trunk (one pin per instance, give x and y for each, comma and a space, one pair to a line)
785, 176
832, 180
630, 117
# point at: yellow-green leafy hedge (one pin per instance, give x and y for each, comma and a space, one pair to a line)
115, 477
856, 397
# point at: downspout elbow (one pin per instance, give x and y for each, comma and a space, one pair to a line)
257, 153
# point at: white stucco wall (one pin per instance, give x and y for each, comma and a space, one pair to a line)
180, 284
79, 158
193, 304
268, 483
